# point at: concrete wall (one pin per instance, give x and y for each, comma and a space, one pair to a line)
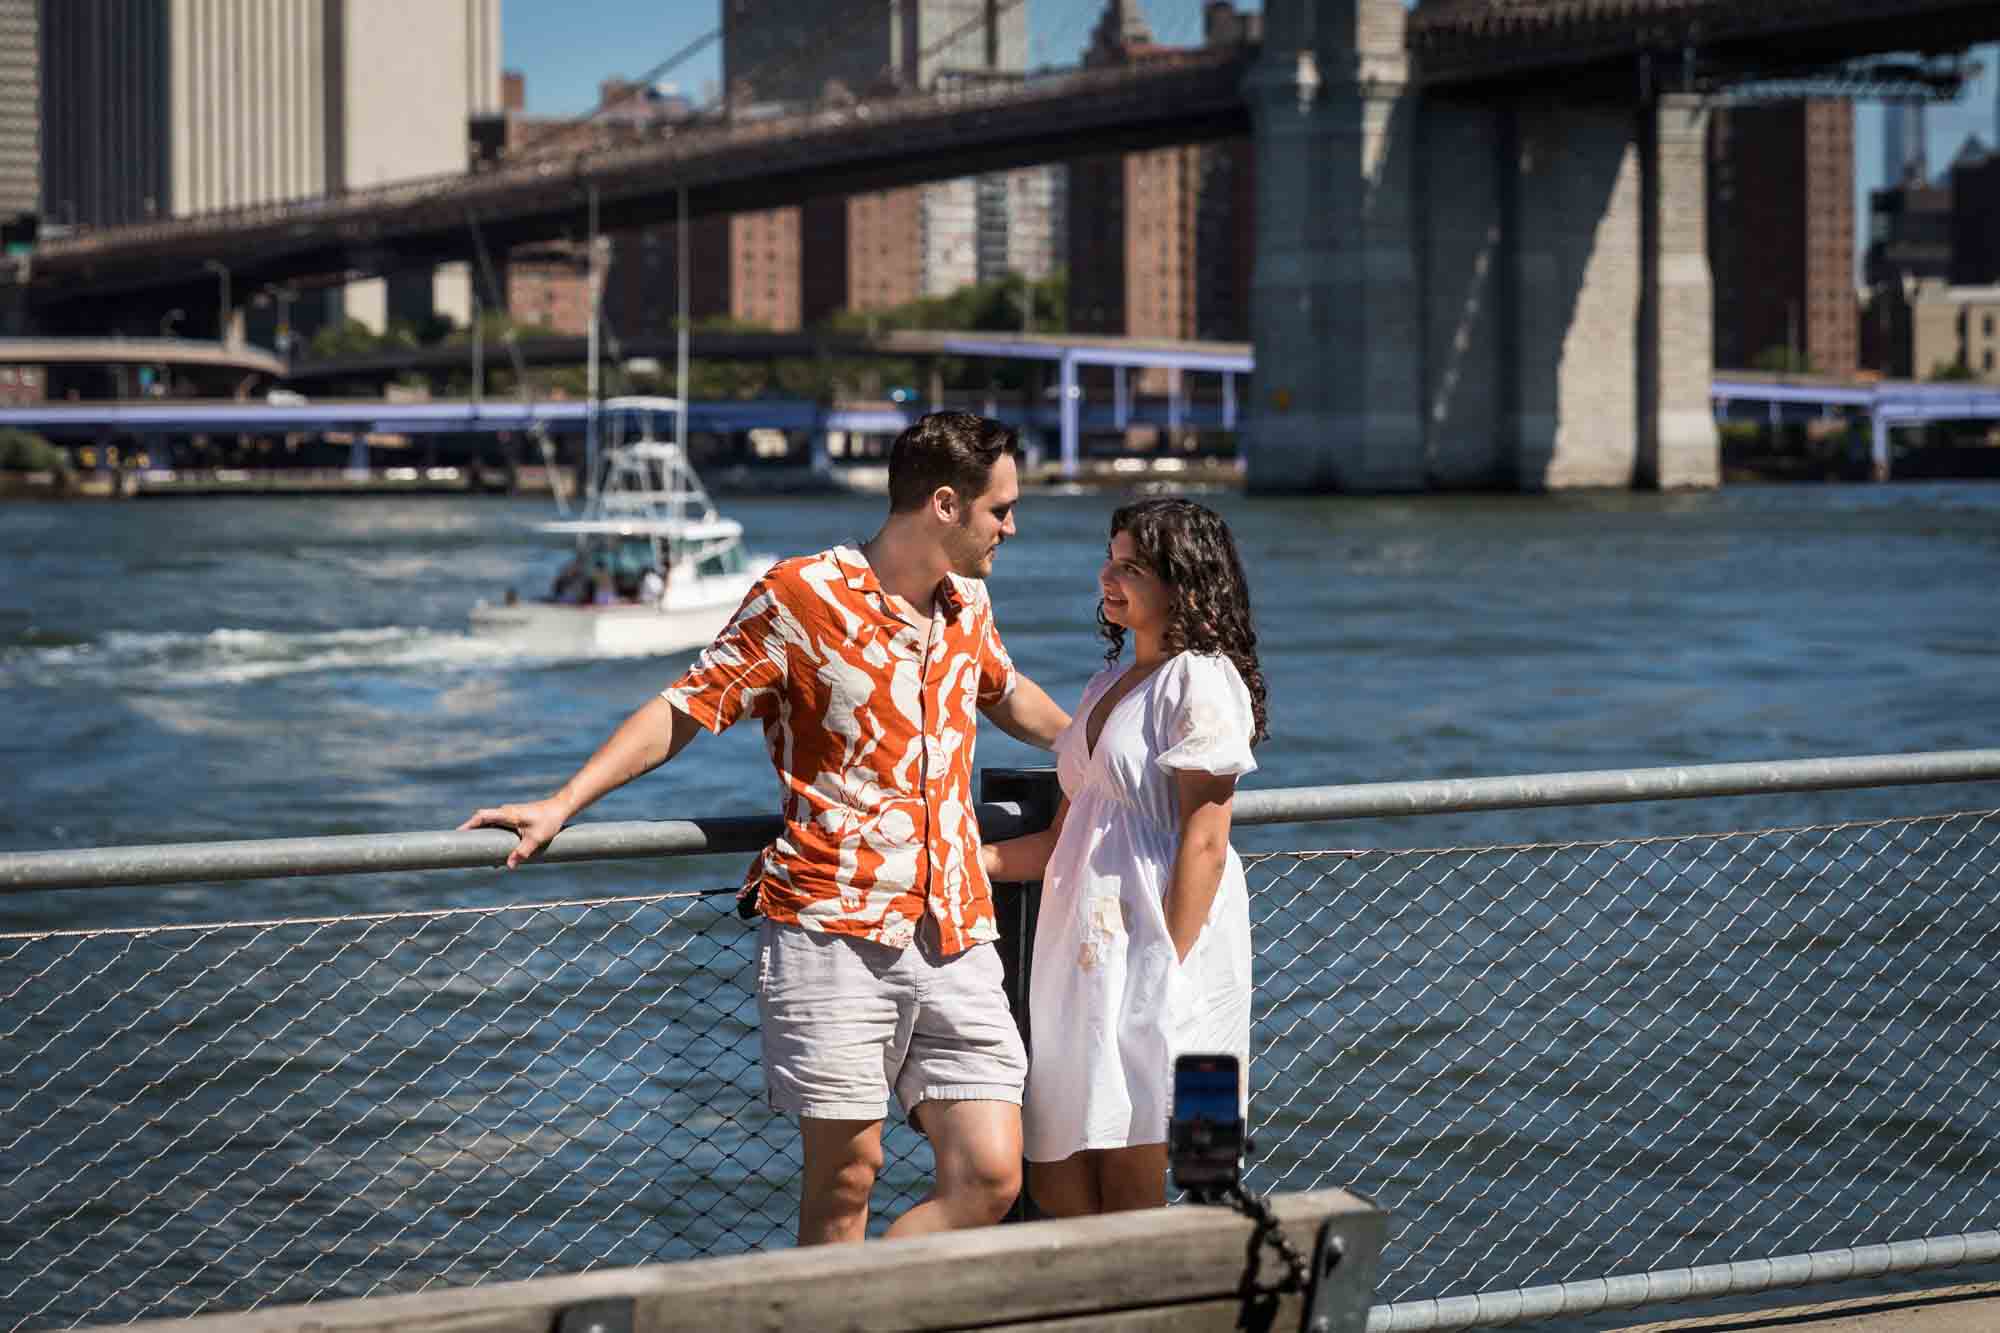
1679, 446
1459, 293
1336, 314
1468, 293
1577, 280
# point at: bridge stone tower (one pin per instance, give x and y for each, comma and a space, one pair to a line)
1457, 291
1334, 312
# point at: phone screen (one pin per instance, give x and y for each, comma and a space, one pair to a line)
1205, 1133
1205, 1087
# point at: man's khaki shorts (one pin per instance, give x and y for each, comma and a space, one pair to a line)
847, 1020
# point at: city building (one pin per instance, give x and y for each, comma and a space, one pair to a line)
20, 108
1975, 217
1160, 242
855, 252
184, 106
1933, 328
1781, 236
1909, 233
1903, 154
936, 238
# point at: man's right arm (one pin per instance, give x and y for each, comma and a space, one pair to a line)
654, 733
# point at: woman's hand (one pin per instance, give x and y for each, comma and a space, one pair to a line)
537, 822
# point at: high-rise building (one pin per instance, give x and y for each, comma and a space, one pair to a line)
1160, 241
177, 107
1903, 154
952, 233
1909, 233
1781, 236
1975, 220
1023, 218
20, 108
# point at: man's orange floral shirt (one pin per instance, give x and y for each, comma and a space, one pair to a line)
869, 721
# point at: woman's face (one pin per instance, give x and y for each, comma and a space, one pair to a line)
1134, 596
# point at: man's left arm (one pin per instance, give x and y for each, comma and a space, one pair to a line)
1028, 714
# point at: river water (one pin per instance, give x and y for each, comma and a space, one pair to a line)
244, 668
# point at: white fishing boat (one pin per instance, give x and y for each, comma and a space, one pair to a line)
654, 567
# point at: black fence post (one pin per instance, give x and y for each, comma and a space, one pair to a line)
1015, 906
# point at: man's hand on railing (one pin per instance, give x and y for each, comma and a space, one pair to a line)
536, 821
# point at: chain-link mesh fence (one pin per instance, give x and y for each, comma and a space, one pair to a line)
219, 1116
1589, 1059
1546, 1062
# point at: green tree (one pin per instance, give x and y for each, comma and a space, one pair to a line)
1783, 360
1951, 372
25, 451
349, 338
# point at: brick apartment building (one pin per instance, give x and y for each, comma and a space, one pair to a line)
1160, 242
1781, 234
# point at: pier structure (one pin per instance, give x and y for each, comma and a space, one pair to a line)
1553, 1067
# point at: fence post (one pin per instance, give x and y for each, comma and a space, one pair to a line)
1015, 906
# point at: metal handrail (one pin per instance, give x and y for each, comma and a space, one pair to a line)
275, 858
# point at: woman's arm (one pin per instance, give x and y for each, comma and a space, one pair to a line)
1205, 801
1020, 860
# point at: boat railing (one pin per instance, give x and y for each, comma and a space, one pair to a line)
1579, 1074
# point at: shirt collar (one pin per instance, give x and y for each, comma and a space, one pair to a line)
860, 575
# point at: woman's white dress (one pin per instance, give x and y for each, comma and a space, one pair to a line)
1110, 1005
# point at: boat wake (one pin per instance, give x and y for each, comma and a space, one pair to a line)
134, 660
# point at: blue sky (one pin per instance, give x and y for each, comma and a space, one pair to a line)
566, 49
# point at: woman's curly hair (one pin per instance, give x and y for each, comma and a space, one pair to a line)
1189, 547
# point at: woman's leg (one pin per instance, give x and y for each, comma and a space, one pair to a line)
1067, 1188
1134, 1177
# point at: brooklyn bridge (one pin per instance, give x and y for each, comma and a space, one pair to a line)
1480, 249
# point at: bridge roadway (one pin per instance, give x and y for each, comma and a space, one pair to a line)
833, 149
1473, 42
1595, 46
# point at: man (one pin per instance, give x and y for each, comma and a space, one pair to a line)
876, 971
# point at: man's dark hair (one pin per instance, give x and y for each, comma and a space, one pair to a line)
955, 449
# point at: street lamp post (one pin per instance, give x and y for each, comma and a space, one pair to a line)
222, 328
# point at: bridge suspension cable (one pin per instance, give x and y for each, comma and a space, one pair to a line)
551, 133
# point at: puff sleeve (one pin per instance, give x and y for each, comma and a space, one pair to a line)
1205, 720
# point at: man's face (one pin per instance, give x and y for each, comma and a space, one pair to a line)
984, 522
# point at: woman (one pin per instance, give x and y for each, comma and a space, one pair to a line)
1143, 946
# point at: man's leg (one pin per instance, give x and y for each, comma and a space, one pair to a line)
831, 1011
842, 1157
978, 1149
1134, 1177
1068, 1188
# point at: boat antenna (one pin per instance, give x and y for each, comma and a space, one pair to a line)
681, 323
591, 382
535, 425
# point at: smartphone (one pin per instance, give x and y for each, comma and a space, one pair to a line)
1205, 1125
